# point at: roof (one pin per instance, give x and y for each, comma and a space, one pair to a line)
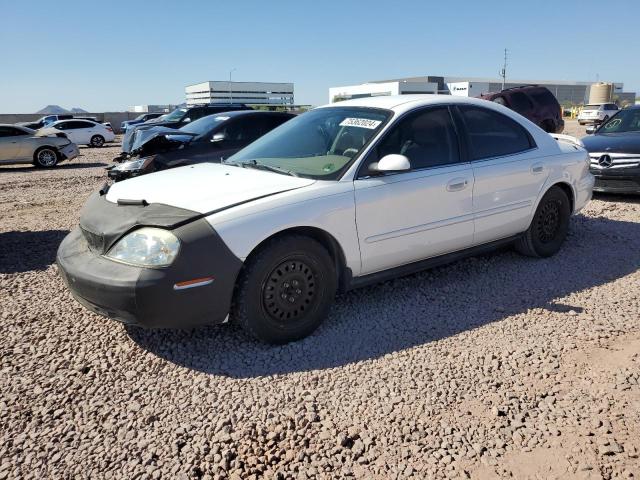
403, 102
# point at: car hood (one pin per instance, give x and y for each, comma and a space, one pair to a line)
623, 142
144, 139
139, 132
204, 188
46, 131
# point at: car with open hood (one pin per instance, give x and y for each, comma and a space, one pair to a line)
341, 196
142, 118
208, 139
23, 145
614, 149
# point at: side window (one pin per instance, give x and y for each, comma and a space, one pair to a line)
492, 134
197, 113
427, 138
520, 102
63, 126
244, 130
6, 132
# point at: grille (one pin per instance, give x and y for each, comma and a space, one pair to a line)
618, 160
617, 184
95, 241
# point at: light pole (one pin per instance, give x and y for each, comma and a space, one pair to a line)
230, 93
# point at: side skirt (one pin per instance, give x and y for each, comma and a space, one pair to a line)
427, 263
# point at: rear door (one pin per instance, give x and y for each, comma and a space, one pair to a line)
426, 211
9, 144
508, 172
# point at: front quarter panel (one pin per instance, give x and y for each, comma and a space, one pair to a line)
328, 206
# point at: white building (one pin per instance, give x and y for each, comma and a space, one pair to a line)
399, 87
567, 92
253, 93
151, 108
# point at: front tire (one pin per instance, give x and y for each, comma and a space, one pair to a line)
285, 290
46, 157
97, 141
549, 226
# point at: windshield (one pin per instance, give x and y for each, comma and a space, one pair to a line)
624, 121
176, 115
204, 125
318, 144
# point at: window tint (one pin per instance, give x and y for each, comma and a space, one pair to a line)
520, 102
75, 124
543, 96
243, 130
10, 132
427, 138
492, 134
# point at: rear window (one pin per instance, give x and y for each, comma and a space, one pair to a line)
520, 102
592, 107
543, 96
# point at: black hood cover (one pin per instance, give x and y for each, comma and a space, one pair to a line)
624, 142
103, 223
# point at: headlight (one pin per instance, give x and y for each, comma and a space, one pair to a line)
138, 164
146, 247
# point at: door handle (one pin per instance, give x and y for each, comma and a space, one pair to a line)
457, 184
537, 168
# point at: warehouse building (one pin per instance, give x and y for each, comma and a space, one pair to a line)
253, 93
567, 92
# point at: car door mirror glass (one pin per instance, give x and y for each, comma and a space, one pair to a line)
186, 120
218, 137
391, 163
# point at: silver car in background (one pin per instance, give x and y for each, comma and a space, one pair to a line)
22, 145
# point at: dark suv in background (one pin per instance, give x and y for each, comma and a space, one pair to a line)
179, 118
533, 102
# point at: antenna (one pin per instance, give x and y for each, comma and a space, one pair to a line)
503, 72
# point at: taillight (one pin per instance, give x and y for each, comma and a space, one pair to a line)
110, 129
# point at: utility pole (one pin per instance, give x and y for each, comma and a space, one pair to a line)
230, 92
503, 72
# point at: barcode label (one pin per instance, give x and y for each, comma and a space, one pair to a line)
360, 122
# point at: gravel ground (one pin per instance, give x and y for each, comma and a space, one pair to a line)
493, 367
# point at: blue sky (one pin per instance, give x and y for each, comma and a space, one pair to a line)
89, 54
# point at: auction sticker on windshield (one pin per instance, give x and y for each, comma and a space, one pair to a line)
360, 122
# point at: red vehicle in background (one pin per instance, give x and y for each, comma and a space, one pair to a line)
534, 102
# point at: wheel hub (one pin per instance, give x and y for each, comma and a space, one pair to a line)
289, 290
548, 221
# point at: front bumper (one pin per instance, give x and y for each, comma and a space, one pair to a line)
625, 180
148, 296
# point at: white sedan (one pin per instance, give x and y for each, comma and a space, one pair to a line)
341, 196
81, 132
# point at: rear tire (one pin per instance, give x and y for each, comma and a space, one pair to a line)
285, 290
46, 157
549, 226
97, 141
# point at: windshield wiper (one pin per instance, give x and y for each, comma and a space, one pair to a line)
271, 168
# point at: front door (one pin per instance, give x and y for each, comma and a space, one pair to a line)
426, 211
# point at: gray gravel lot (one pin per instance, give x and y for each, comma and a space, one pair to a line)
494, 367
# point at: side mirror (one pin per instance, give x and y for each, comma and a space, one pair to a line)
186, 120
591, 129
391, 163
219, 137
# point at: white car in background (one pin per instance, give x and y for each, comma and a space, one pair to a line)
82, 132
597, 113
341, 196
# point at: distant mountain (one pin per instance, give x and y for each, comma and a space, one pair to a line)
78, 110
52, 110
